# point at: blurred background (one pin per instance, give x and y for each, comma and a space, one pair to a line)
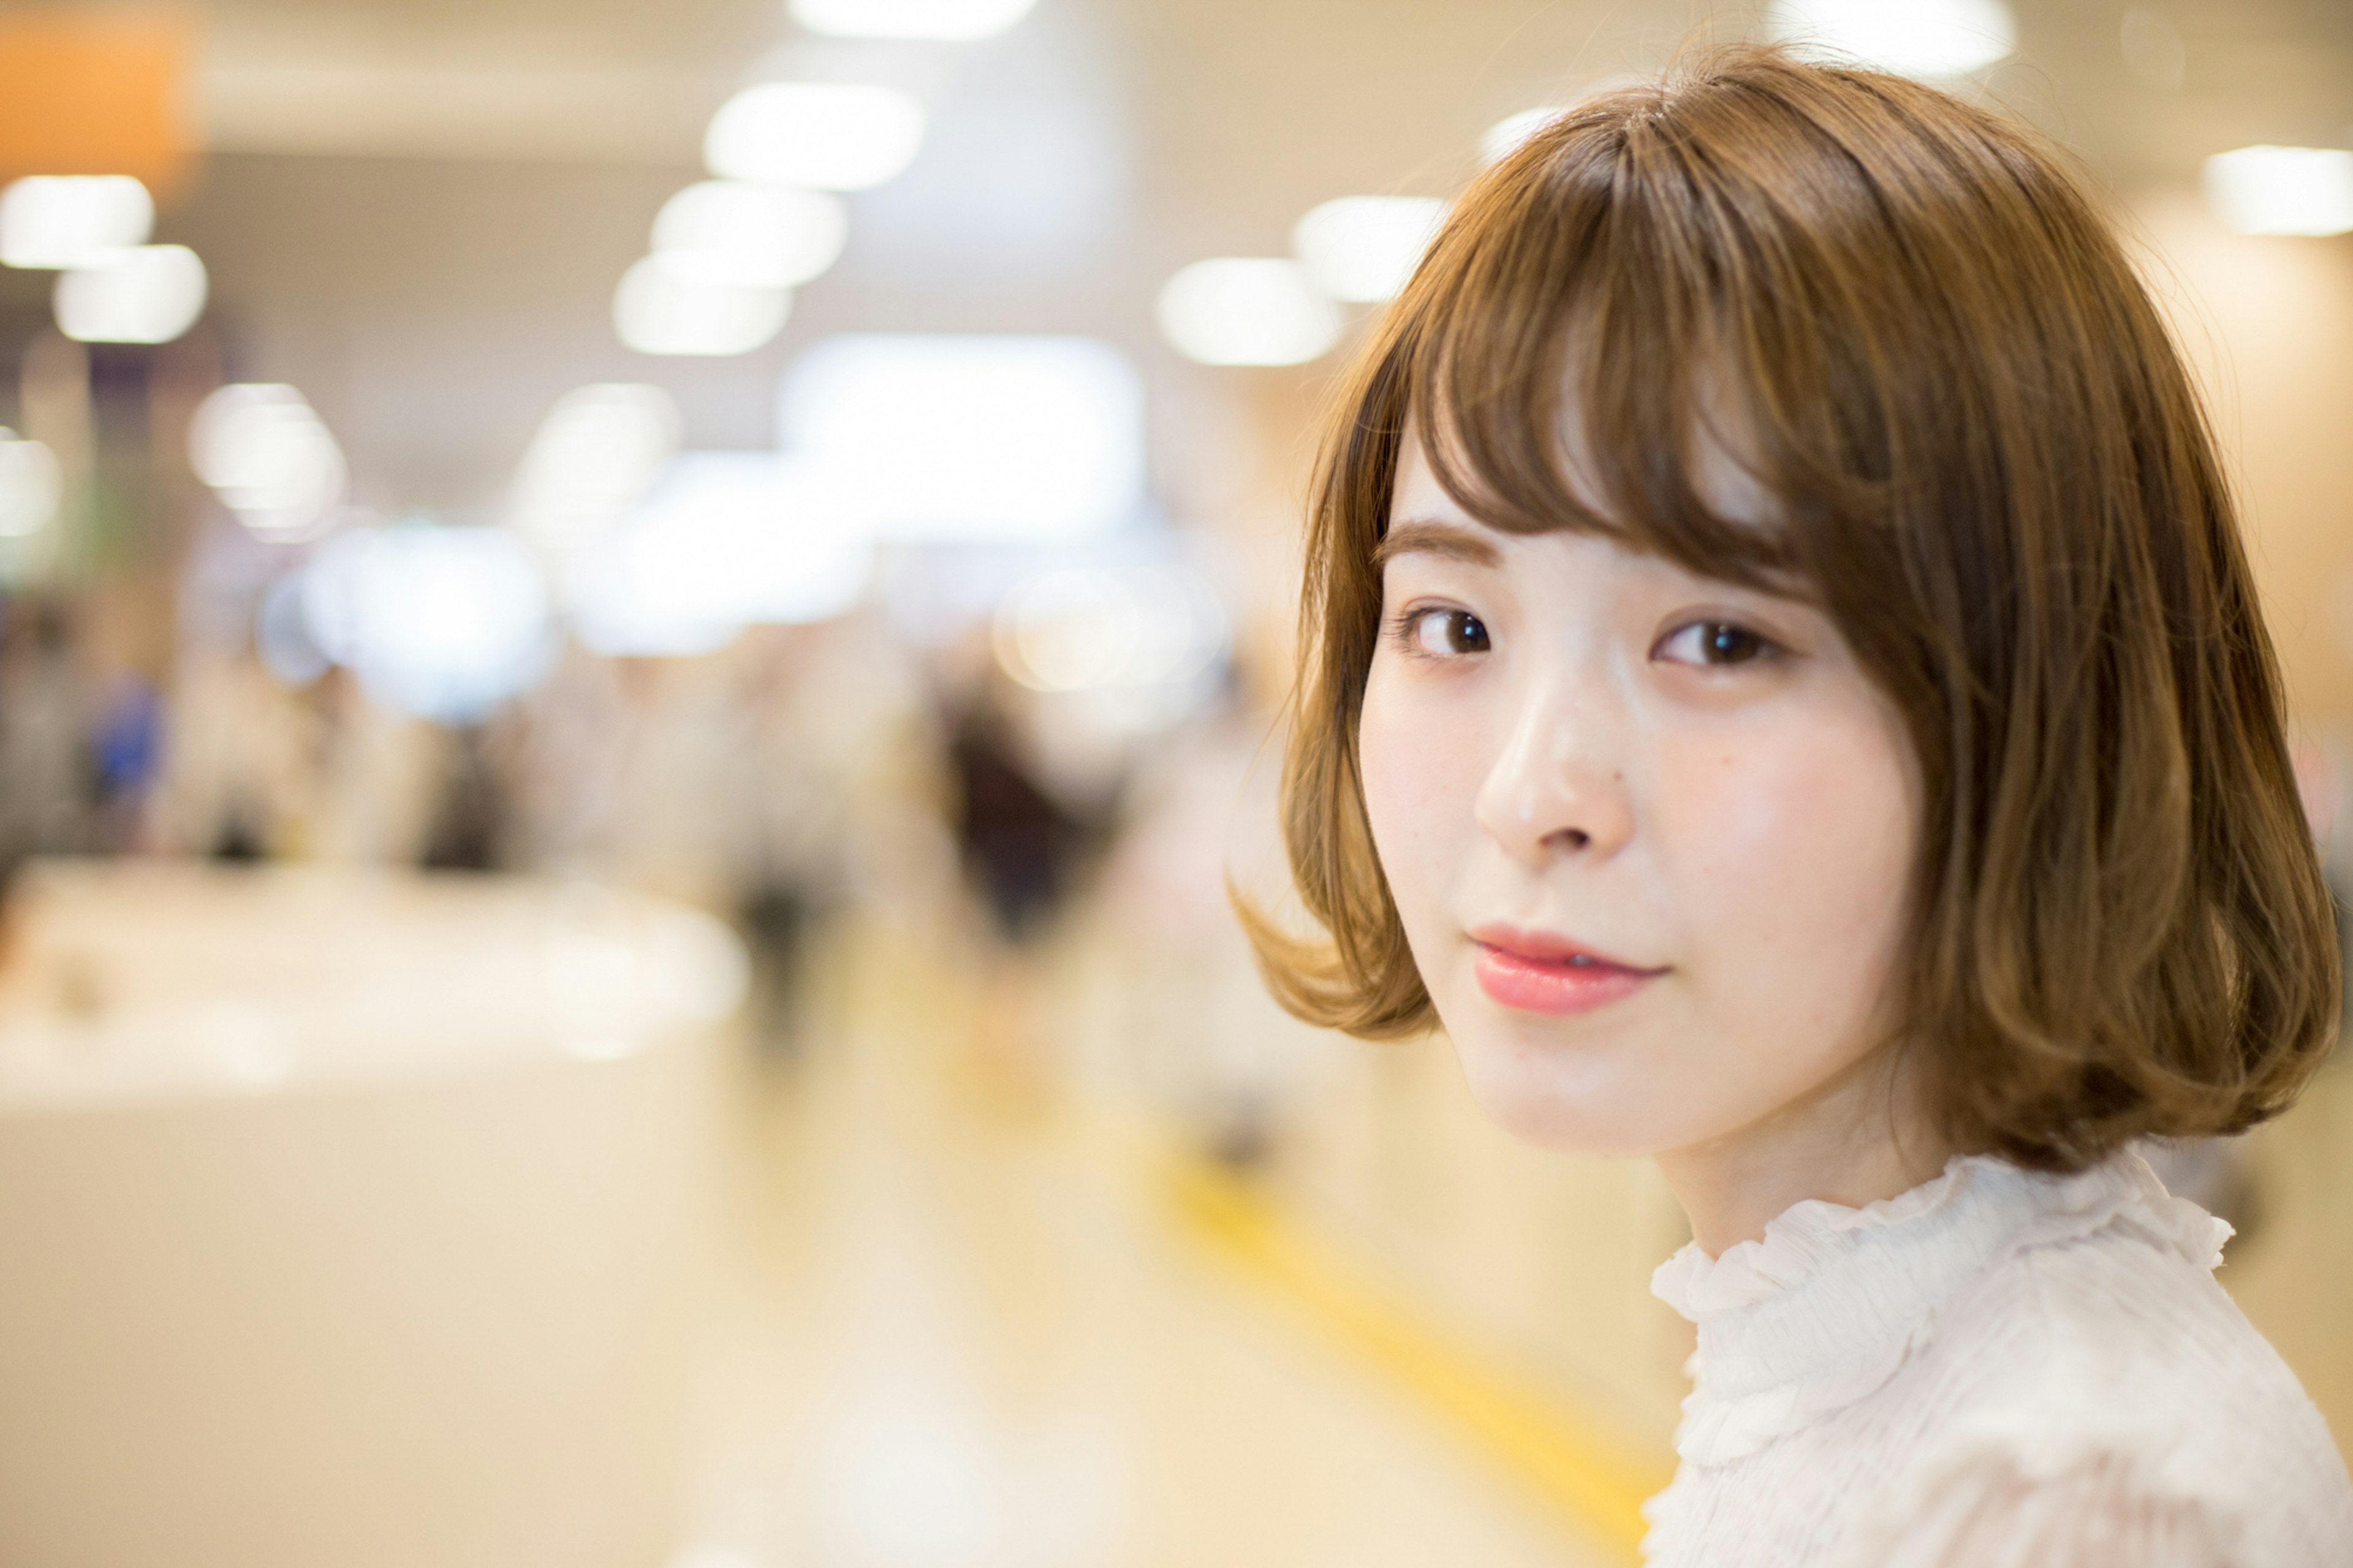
636, 643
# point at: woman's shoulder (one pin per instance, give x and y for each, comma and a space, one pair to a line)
2102, 1377
2114, 1326
2102, 1512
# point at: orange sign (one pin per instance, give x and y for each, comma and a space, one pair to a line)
100, 91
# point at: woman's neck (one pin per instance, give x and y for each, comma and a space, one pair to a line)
1859, 1138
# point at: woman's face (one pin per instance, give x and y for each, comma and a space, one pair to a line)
1650, 834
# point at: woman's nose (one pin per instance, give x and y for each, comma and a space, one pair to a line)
1558, 786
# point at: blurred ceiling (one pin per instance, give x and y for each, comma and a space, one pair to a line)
629, 80
417, 209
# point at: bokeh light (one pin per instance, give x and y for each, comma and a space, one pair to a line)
1364, 248
1930, 39
726, 540
596, 454
828, 136
141, 294
72, 220
736, 233
972, 437
266, 453
2282, 190
1248, 310
663, 310
281, 634
445, 623
30, 485
1081, 628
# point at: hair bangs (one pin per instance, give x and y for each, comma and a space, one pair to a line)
1572, 369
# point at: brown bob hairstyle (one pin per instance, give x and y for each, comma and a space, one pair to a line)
1991, 471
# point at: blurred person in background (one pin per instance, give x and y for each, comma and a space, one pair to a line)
127, 750
368, 776
1198, 814
238, 764
45, 753
1022, 847
1785, 692
811, 713
571, 735
680, 822
471, 808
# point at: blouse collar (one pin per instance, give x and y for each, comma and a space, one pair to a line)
1834, 1300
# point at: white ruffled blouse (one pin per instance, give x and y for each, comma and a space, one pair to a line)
1997, 1369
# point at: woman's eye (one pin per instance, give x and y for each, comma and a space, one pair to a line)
1448, 633
1713, 643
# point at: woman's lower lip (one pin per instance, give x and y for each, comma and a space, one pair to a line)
1555, 985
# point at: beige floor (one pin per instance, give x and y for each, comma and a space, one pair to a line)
973, 1335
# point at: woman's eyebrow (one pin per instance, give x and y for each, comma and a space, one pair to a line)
1430, 537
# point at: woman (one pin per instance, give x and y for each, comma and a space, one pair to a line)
1783, 689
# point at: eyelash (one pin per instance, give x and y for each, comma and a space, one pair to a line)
1406, 629
1762, 647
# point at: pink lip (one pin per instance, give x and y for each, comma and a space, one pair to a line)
1537, 971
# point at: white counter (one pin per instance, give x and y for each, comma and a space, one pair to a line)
347, 1220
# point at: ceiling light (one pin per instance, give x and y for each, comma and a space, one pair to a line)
143, 294
735, 232
445, 623
71, 220
597, 451
953, 19
2282, 190
1364, 248
824, 136
660, 310
1068, 631
1931, 38
1080, 628
266, 453
969, 437
726, 540
1248, 310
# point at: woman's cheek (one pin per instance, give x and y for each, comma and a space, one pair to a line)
1419, 791
1386, 765
1792, 853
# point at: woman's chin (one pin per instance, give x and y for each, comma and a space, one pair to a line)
1576, 1107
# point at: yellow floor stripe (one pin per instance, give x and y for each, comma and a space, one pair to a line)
1583, 1475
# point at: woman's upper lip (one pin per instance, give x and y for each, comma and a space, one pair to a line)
1546, 947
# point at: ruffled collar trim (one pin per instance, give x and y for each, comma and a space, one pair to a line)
1834, 1300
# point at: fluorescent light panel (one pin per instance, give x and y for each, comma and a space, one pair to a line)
1248, 310
972, 438
2282, 190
